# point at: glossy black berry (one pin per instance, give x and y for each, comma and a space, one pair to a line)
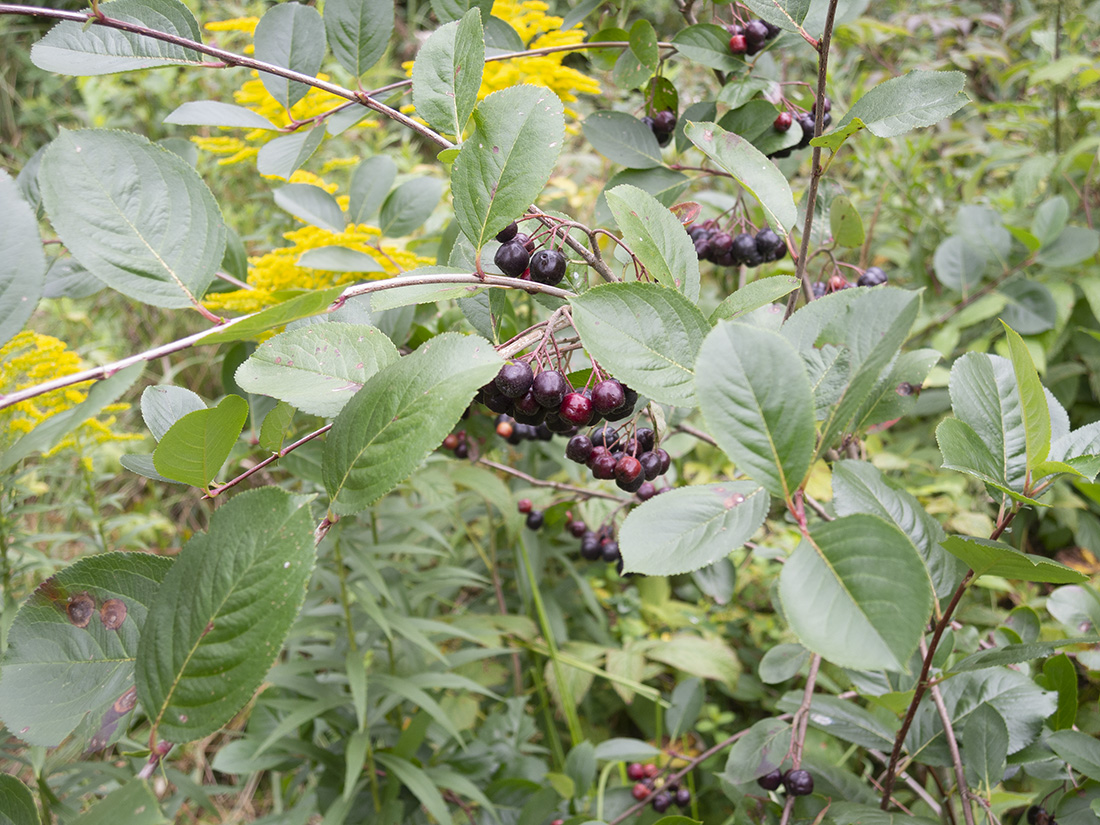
497, 401
590, 547
744, 250
771, 781
646, 439
664, 121
549, 388
514, 379
798, 783
462, 450
609, 552
608, 396
579, 449
769, 244
662, 801
1034, 814
508, 232
756, 33
651, 465
605, 436
683, 797
535, 519
874, 276
512, 258
548, 267
525, 241
666, 460
556, 424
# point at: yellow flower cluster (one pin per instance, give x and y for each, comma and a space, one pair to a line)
31, 358
538, 30
277, 272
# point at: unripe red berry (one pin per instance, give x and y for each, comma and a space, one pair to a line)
738, 44
782, 122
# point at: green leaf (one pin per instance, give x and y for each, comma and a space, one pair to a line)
787, 14
752, 296
76, 49
300, 306
844, 720
645, 335
855, 813
291, 36
1030, 309
23, 269
985, 749
859, 487
836, 137
580, 766
991, 558
64, 666
418, 783
782, 662
370, 183
964, 450
312, 204
358, 32
317, 368
708, 45
1060, 675
1050, 219
223, 612
1080, 750
134, 803
625, 750
1033, 401
657, 238
754, 393
750, 168
16, 802
691, 527
47, 434
958, 264
758, 752
685, 705
195, 447
506, 162
707, 658
163, 405
338, 259
1074, 245
276, 427
918, 98
1015, 654
217, 113
450, 10
400, 416
133, 214
447, 74
622, 139
408, 206
845, 223
643, 44
283, 156
755, 122
839, 592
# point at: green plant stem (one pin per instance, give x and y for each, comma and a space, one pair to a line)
93, 502
548, 712
345, 600
569, 708
815, 162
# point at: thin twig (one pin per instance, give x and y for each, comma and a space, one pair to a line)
221, 488
956, 758
554, 485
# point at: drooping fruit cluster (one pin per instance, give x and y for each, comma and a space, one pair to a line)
661, 795
720, 247
535, 518
516, 433
598, 545
663, 125
749, 38
456, 443
872, 276
795, 782
805, 120
632, 461
517, 258
548, 399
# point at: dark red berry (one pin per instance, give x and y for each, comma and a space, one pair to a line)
738, 44
666, 460
604, 466
635, 771
548, 267
798, 783
577, 529
550, 387
578, 449
450, 442
608, 396
771, 781
524, 505
662, 802
640, 792
508, 232
534, 520
576, 409
652, 770
512, 258
597, 451
646, 491
837, 283
651, 465
528, 405
627, 469
646, 438
683, 797
514, 379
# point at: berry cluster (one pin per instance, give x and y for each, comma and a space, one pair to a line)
784, 120
872, 276
661, 796
535, 518
721, 248
633, 462
456, 443
1038, 815
796, 783
517, 258
748, 39
663, 125
516, 433
548, 398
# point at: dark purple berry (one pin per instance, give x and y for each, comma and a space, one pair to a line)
651, 465
590, 546
604, 466
771, 781
579, 449
646, 439
627, 469
828, 107
514, 379
535, 519
527, 405
773, 30
608, 396
610, 551
550, 387
577, 529
462, 450
756, 33
646, 491
661, 802
798, 783
605, 436
558, 425
666, 460
744, 250
683, 797
597, 451
874, 276
508, 232
512, 258
497, 401
524, 241
664, 121
769, 244
576, 409
548, 267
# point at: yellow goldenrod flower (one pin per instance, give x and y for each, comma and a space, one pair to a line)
247, 25
31, 358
